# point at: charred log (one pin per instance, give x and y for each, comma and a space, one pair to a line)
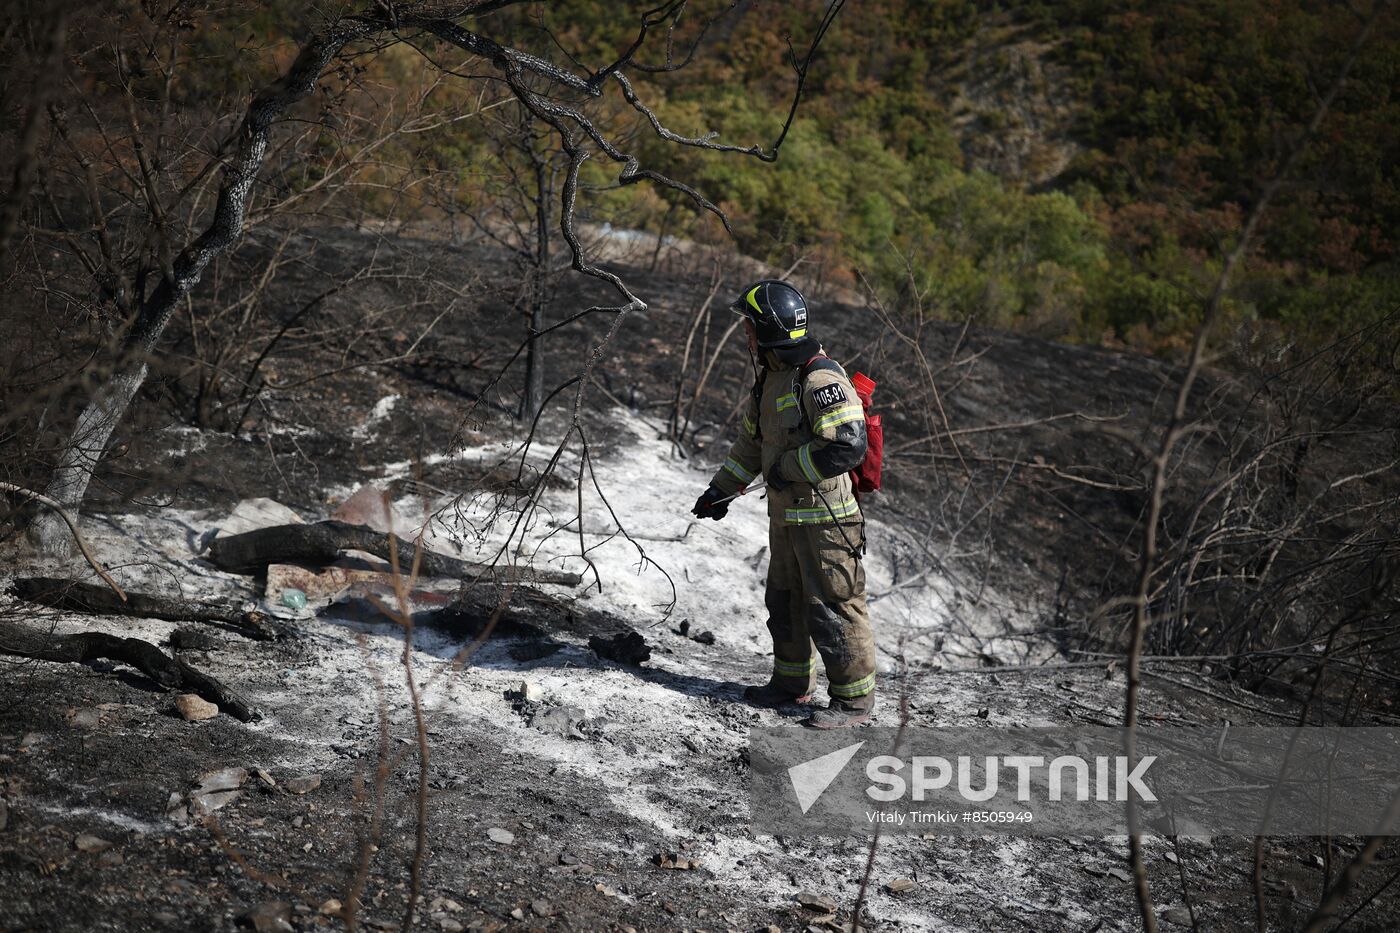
82, 647
74, 596
325, 542
535, 618
625, 648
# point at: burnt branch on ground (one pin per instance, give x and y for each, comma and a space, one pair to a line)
326, 542
76, 596
172, 673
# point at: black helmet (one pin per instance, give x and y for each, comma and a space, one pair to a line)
777, 311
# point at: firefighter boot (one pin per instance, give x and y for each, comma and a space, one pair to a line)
772, 694
841, 714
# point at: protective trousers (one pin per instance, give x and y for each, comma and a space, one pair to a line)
816, 593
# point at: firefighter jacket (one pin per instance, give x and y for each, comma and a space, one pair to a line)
809, 421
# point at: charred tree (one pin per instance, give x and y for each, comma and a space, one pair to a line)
539, 276
110, 400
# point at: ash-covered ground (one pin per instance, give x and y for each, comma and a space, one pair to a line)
563, 790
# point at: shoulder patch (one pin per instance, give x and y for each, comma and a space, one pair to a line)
829, 396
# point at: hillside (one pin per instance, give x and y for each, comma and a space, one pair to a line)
366, 364
1072, 169
551, 808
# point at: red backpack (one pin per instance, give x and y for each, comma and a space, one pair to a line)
866, 477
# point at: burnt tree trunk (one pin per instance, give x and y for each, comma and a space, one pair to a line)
110, 400
533, 400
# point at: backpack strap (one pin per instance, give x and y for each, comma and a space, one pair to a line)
819, 363
758, 397
758, 385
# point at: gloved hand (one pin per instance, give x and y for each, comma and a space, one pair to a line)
774, 477
710, 506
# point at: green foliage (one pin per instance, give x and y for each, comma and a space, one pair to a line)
1183, 108
1202, 98
870, 178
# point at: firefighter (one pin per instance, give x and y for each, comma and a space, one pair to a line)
803, 431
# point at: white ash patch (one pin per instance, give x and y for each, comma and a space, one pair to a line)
116, 818
184, 439
645, 770
382, 409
